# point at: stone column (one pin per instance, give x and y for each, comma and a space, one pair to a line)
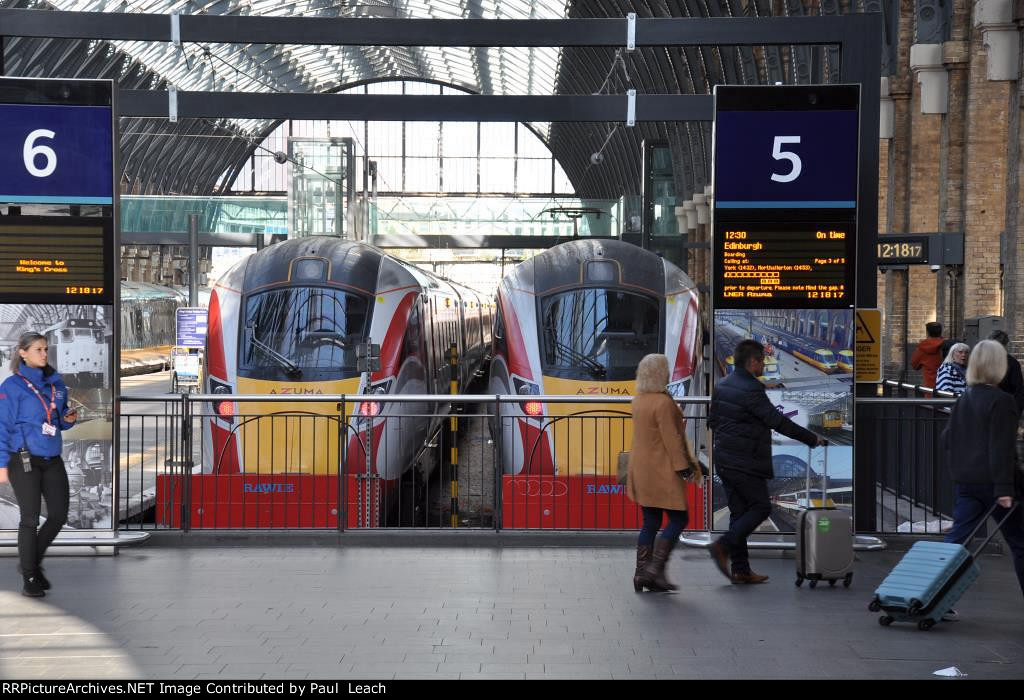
988, 106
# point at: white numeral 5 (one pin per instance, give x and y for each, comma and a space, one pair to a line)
779, 154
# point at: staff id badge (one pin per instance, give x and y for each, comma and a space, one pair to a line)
50, 430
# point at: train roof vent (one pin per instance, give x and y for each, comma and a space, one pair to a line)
309, 270
602, 272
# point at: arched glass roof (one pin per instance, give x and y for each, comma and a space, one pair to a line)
189, 157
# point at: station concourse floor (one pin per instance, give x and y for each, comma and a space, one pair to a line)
371, 612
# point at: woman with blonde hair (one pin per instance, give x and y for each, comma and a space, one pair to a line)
659, 464
952, 375
979, 439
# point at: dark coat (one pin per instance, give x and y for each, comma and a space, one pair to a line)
980, 437
743, 419
1013, 382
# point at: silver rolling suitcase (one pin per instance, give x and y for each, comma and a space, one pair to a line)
824, 540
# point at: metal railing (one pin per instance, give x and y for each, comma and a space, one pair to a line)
914, 488
274, 463
442, 461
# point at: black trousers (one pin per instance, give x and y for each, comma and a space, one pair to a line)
47, 480
749, 506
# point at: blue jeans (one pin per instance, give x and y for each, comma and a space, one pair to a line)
972, 502
677, 520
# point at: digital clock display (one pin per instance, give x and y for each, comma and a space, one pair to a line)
784, 265
55, 260
901, 250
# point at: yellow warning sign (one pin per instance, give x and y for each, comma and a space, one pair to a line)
868, 346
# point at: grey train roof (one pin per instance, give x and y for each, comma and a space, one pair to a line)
564, 267
154, 151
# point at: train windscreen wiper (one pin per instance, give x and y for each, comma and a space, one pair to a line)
595, 368
288, 365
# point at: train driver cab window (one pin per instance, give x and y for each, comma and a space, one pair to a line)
598, 333
297, 330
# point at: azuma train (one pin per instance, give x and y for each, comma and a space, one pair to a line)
289, 319
576, 320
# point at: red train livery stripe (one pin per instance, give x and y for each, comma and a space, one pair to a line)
537, 456
685, 360
391, 348
518, 359
215, 341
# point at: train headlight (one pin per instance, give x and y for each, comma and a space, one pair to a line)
223, 409
525, 388
369, 408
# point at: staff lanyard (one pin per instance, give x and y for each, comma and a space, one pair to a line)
53, 396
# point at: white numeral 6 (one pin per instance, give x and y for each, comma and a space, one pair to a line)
30, 151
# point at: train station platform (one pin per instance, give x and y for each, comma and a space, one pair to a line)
316, 612
145, 360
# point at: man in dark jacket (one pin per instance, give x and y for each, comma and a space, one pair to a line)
742, 419
1013, 382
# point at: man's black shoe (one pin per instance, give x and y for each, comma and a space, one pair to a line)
42, 577
33, 587
720, 557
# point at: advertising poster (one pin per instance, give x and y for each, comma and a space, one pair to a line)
809, 377
80, 348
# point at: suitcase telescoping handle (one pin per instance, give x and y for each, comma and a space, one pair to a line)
989, 514
824, 476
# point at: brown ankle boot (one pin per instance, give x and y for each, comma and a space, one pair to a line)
643, 557
654, 573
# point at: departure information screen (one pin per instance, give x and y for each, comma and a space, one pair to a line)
784, 265
55, 260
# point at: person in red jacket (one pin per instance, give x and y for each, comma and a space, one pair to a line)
928, 356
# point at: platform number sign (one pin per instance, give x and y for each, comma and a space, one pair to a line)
786, 174
56, 153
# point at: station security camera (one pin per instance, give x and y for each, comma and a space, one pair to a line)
280, 157
596, 158
936, 268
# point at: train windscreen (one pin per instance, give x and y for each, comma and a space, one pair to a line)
598, 333
299, 331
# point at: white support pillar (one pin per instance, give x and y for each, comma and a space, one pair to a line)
1000, 36
926, 63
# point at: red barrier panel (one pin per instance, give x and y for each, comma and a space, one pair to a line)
580, 503
239, 501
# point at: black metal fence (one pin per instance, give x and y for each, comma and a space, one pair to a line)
914, 489
479, 461
471, 461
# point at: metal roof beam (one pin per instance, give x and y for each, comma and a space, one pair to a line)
377, 31
356, 107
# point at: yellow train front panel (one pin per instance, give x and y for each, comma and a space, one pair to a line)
291, 438
589, 442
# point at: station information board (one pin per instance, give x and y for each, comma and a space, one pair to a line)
764, 264
57, 163
55, 260
786, 174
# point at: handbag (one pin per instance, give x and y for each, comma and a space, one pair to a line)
623, 467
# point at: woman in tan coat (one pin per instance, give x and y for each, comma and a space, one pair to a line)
655, 479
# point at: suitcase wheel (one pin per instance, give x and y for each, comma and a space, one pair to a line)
925, 625
814, 583
874, 605
799, 581
915, 606
847, 580
832, 582
886, 620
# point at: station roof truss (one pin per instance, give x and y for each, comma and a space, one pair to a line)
244, 65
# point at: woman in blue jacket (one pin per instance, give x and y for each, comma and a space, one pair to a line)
33, 412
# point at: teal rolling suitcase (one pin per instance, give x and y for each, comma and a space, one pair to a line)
929, 580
